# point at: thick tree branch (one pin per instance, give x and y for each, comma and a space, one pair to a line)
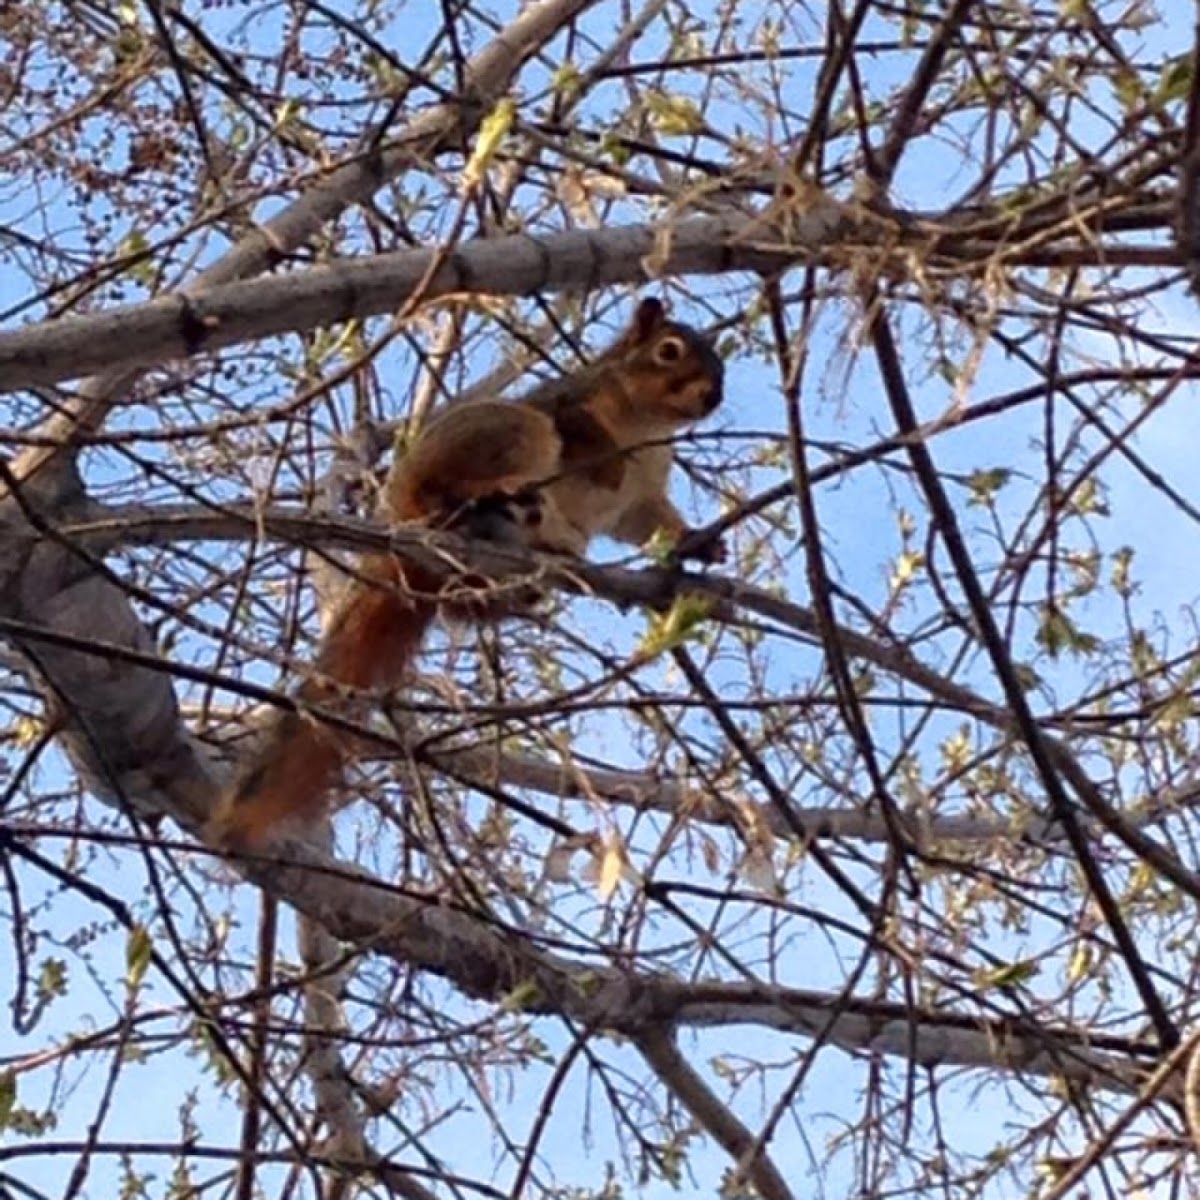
211, 318
491, 963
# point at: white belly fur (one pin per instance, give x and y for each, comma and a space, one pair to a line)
646, 474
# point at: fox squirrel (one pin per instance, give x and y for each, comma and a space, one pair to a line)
583, 455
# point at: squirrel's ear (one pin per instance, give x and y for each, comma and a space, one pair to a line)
647, 319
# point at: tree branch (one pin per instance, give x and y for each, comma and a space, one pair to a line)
653, 588
685, 1084
210, 318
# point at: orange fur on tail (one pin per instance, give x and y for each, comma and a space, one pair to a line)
376, 634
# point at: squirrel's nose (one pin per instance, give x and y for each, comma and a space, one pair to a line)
716, 394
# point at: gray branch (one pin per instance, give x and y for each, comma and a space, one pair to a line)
685, 1082
210, 318
486, 962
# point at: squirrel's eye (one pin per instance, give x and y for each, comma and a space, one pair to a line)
670, 350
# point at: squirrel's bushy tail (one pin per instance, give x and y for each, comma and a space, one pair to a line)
376, 633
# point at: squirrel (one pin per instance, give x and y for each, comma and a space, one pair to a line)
587, 454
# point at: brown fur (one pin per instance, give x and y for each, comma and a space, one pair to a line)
593, 447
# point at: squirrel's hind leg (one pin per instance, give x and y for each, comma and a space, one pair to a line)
526, 518
503, 518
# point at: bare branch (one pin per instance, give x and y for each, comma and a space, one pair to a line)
210, 318
686, 1085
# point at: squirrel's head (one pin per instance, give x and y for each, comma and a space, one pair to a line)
670, 371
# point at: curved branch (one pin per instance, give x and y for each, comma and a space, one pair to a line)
685, 1084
